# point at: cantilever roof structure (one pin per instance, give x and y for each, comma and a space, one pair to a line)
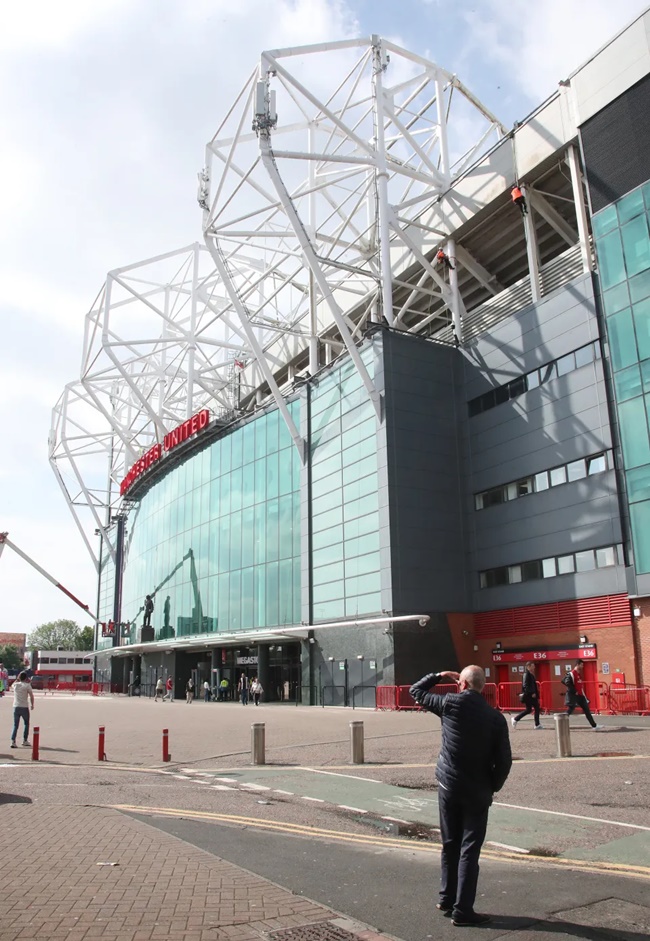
328, 187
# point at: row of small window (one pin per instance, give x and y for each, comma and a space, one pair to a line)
584, 561
565, 473
532, 380
42, 660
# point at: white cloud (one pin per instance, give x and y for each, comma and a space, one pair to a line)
541, 43
39, 23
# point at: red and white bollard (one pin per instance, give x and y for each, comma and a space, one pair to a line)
36, 736
165, 745
101, 753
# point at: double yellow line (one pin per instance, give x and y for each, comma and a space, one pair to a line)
418, 846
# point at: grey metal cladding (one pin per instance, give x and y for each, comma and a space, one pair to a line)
610, 581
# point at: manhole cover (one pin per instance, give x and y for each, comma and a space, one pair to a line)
321, 931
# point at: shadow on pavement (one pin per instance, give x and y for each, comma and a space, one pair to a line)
567, 929
14, 799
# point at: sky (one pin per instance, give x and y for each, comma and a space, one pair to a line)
105, 109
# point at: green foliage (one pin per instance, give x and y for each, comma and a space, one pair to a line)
10, 656
53, 634
86, 638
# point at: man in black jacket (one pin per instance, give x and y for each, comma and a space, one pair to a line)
474, 762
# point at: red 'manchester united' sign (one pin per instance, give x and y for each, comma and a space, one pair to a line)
184, 431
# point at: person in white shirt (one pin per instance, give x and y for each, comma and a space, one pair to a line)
160, 689
23, 701
206, 691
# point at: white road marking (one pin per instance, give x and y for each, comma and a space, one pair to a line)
255, 787
316, 800
336, 774
289, 793
356, 810
395, 820
559, 813
222, 787
506, 846
227, 780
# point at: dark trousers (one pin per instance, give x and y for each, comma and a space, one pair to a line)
581, 703
532, 705
462, 829
244, 697
21, 712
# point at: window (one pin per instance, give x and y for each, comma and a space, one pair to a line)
541, 481
565, 565
596, 465
584, 356
584, 561
605, 557
549, 568
557, 476
566, 364
576, 470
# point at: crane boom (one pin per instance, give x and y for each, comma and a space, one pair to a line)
6, 541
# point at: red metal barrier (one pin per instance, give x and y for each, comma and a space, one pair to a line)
165, 746
491, 693
36, 739
628, 699
386, 697
101, 753
508, 697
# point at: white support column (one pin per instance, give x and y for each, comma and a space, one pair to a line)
442, 127
385, 271
456, 316
531, 250
573, 159
313, 307
192, 349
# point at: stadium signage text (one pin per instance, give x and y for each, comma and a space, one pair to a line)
181, 433
583, 652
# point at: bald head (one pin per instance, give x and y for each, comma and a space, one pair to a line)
472, 677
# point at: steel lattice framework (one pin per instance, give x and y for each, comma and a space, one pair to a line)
313, 222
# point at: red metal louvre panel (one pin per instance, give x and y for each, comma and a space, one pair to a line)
579, 614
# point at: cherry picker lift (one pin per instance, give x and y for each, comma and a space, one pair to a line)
5, 541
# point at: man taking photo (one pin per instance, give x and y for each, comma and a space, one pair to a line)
474, 762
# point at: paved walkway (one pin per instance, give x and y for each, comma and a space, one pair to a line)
82, 873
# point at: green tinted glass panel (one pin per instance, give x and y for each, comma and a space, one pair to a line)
636, 245
645, 375
628, 383
634, 433
604, 221
630, 206
616, 298
641, 317
622, 341
610, 259
640, 286
638, 484
640, 518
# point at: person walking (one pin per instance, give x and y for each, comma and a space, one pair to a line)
256, 690
529, 695
169, 690
206, 691
23, 702
575, 695
223, 689
242, 689
160, 690
473, 764
189, 690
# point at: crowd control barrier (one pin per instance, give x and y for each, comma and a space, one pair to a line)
615, 699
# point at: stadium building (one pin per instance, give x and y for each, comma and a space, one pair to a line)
381, 418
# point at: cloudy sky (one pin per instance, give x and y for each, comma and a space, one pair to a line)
105, 108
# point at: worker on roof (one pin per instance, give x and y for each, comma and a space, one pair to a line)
443, 259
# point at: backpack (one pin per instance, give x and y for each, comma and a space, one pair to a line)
567, 680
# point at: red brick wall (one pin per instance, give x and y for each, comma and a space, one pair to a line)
642, 639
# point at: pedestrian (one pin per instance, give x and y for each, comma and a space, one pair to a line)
242, 688
442, 258
206, 691
575, 695
519, 199
529, 695
4, 679
169, 690
23, 702
189, 690
148, 611
223, 689
474, 762
160, 690
256, 690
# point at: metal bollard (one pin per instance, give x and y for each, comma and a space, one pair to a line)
563, 735
165, 745
356, 743
258, 735
101, 754
36, 737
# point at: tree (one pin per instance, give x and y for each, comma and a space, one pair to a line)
86, 638
53, 634
11, 658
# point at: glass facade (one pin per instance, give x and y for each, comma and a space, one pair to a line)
622, 236
217, 540
345, 502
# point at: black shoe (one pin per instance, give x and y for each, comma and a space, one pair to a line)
445, 907
469, 919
